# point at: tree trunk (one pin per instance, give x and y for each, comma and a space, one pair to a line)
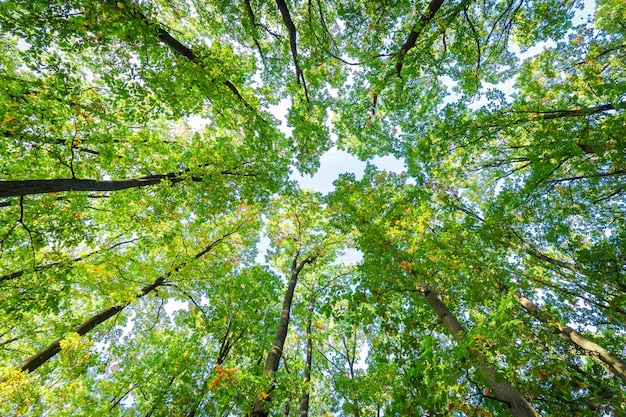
175, 45
227, 343
502, 389
41, 357
28, 187
612, 363
52, 349
572, 267
304, 401
273, 357
433, 8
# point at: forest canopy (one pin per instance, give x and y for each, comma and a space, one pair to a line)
157, 259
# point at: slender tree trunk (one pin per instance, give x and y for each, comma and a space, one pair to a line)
155, 402
119, 398
227, 343
273, 357
47, 353
175, 45
433, 8
502, 389
572, 267
41, 357
609, 361
612, 363
304, 400
558, 114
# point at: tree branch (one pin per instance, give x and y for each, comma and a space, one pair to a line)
432, 9
291, 28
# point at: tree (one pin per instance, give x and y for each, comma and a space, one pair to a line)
144, 174
298, 232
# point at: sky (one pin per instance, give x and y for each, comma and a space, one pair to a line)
335, 162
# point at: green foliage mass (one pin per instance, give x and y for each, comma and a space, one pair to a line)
150, 236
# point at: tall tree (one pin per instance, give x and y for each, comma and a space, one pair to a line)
300, 237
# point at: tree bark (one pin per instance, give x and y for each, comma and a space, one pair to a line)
503, 390
612, 363
609, 361
558, 114
293, 43
433, 7
47, 353
29, 187
304, 400
227, 343
182, 50
273, 358
41, 357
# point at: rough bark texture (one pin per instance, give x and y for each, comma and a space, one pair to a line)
502, 389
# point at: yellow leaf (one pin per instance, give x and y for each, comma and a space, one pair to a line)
407, 266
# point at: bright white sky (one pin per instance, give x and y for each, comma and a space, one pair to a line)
335, 162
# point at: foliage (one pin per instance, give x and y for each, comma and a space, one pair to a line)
155, 258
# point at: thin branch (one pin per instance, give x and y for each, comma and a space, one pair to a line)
581, 177
165, 37
21, 272
537, 115
250, 12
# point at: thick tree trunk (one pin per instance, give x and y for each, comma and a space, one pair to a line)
502, 389
273, 357
28, 187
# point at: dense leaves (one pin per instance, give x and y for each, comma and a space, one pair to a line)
156, 260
